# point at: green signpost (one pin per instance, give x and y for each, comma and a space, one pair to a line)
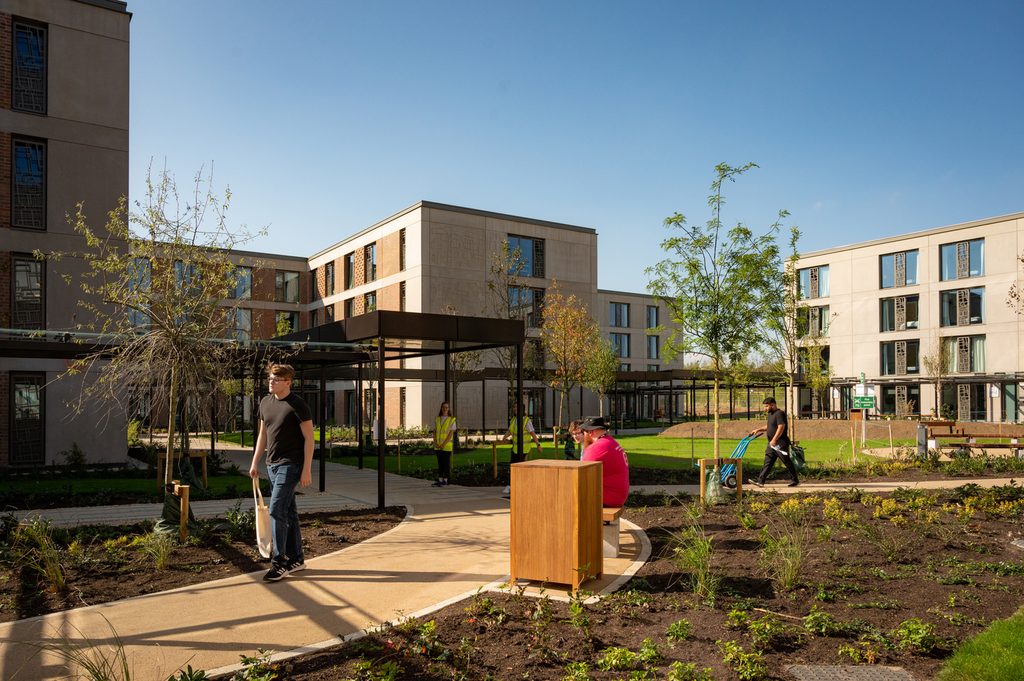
863, 401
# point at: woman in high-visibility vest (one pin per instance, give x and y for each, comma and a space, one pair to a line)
444, 432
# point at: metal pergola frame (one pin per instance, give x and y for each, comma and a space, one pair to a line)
339, 350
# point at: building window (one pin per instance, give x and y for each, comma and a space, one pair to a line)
140, 280
902, 400
898, 314
241, 318
28, 200
526, 304
961, 307
624, 367
401, 296
370, 302
813, 321
529, 254
186, 277
29, 293
370, 262
652, 316
652, 367
314, 318
242, 288
803, 359
898, 269
618, 314
964, 354
653, 347
900, 358
813, 282
962, 259
329, 279
28, 81
620, 344
401, 254
285, 322
27, 419
350, 307
328, 314
286, 289
350, 270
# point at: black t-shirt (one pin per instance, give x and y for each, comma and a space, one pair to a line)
775, 419
282, 419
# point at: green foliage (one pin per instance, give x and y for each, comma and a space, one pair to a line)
74, 458
624, 659
241, 524
35, 549
766, 632
821, 623
687, 671
188, 674
484, 608
785, 543
720, 284
159, 546
577, 671
861, 652
679, 630
387, 670
258, 667
690, 551
748, 666
997, 654
134, 430
915, 636
93, 660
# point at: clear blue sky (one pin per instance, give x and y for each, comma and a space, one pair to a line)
868, 119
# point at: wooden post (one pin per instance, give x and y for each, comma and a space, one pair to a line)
399, 450
181, 491
853, 450
892, 450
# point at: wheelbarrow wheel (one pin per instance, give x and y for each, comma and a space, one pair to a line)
730, 481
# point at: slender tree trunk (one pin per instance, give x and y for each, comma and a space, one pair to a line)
793, 413
172, 405
718, 448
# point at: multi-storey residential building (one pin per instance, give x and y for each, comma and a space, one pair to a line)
907, 310
63, 140
437, 258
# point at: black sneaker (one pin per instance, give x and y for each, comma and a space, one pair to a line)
295, 566
793, 484
275, 573
438, 484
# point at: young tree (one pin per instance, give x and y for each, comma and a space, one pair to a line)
510, 298
935, 365
568, 336
602, 364
157, 285
788, 328
720, 286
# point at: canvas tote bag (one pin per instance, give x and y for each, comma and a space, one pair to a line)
264, 539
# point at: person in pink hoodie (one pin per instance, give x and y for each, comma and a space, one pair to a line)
599, 445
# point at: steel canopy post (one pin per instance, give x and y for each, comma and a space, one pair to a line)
323, 428
381, 429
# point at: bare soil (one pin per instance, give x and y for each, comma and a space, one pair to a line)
109, 565
949, 573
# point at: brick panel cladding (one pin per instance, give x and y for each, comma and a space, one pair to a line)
264, 283
388, 259
321, 282
388, 298
5, 290
5, 418
6, 69
5, 180
360, 267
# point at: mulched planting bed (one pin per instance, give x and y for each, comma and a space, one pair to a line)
109, 563
897, 579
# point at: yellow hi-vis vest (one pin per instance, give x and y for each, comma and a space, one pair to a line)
513, 428
441, 429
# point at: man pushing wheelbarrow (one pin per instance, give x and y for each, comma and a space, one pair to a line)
776, 431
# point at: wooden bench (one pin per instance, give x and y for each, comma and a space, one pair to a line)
610, 517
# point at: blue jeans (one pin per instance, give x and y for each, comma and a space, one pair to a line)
284, 514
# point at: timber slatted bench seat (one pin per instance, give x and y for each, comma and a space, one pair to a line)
948, 435
610, 517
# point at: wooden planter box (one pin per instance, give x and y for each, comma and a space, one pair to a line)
556, 531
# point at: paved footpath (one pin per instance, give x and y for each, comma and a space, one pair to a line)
454, 541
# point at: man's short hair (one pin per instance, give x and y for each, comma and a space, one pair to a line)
769, 400
282, 371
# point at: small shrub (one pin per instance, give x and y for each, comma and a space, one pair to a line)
766, 632
748, 666
159, 546
861, 652
821, 623
188, 674
257, 667
691, 552
35, 548
687, 671
679, 630
577, 671
915, 636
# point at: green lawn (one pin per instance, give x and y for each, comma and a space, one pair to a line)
219, 485
996, 654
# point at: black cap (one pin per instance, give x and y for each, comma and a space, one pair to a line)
769, 400
594, 423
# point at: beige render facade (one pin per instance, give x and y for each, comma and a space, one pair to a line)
436, 258
894, 303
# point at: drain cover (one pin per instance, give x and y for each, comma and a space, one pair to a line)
848, 672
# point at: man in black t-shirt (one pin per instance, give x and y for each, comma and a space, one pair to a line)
778, 443
286, 436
